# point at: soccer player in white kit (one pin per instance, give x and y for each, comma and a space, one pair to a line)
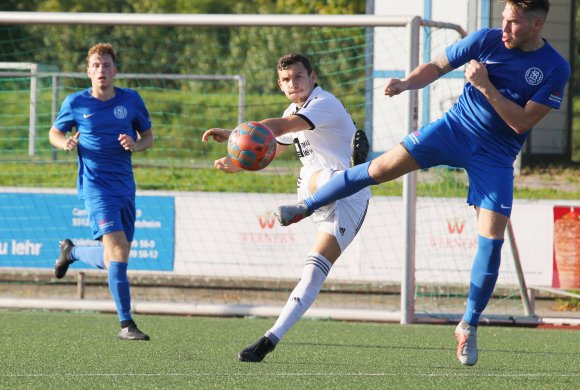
322, 132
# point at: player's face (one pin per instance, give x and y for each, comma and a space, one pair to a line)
296, 83
101, 71
519, 30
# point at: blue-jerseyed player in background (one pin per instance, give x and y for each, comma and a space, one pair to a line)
515, 78
111, 124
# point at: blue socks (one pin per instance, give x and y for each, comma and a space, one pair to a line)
118, 281
119, 287
484, 273
343, 184
91, 255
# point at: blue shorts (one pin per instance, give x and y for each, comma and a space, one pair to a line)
491, 180
111, 214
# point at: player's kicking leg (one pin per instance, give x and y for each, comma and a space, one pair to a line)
292, 213
341, 185
389, 166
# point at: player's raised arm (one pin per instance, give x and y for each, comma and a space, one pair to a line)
220, 135
288, 124
420, 77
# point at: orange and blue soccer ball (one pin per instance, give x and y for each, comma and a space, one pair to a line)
252, 146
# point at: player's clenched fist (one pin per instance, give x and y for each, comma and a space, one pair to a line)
395, 87
71, 142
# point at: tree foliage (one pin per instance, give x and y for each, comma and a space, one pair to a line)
188, 50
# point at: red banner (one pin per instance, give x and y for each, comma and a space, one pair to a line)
566, 247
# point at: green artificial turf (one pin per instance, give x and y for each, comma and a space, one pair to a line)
62, 350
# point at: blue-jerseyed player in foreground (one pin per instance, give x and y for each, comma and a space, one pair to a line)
111, 124
515, 78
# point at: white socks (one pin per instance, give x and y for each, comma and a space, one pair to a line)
314, 274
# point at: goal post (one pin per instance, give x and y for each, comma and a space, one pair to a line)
56, 77
33, 69
391, 247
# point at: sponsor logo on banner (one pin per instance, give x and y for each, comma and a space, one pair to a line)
454, 237
265, 231
29, 243
455, 225
267, 221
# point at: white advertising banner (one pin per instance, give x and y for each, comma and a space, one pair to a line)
236, 235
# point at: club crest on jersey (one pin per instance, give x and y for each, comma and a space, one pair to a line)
120, 112
534, 76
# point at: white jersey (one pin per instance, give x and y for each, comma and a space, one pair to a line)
326, 148
327, 144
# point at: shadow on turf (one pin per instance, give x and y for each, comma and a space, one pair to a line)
423, 348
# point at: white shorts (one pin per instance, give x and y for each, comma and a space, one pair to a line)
341, 219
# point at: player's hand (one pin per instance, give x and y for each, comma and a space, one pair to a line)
218, 135
394, 87
71, 142
225, 164
127, 142
476, 74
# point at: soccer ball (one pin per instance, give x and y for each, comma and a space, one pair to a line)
252, 146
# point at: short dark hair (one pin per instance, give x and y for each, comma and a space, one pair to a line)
542, 6
288, 60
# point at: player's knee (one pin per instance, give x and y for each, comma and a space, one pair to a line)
313, 182
117, 253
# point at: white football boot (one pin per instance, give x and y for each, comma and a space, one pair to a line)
467, 343
289, 214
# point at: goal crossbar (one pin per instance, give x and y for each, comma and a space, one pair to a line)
140, 19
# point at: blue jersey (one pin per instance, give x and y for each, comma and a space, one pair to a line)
104, 166
539, 75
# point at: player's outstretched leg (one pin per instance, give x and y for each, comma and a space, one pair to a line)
342, 184
257, 351
64, 259
466, 343
292, 213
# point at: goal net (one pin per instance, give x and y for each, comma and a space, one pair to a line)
206, 239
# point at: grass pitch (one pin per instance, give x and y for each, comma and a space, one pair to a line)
56, 350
